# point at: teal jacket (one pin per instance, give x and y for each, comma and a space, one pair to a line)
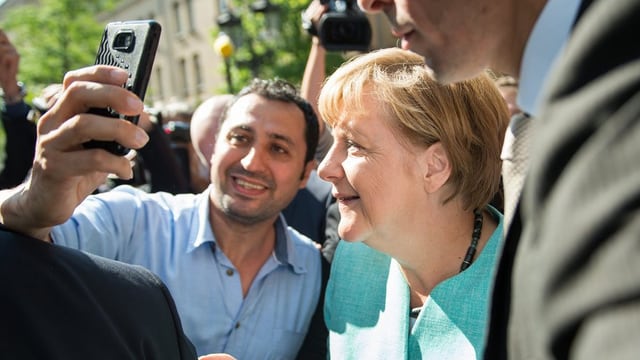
367, 307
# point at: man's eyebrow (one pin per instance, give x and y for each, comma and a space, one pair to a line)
284, 138
275, 136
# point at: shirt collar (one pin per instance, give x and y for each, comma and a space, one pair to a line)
545, 44
285, 247
202, 234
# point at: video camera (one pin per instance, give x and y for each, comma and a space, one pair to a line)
344, 27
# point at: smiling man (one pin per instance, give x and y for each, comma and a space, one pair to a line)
244, 283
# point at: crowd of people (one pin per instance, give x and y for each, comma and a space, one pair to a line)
357, 216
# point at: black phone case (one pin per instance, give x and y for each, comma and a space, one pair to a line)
130, 45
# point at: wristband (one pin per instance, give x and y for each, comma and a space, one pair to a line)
9, 100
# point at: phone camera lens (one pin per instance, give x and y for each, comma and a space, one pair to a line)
124, 41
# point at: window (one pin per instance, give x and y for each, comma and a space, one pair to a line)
197, 71
185, 79
158, 85
177, 18
190, 18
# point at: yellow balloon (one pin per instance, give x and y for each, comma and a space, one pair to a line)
224, 45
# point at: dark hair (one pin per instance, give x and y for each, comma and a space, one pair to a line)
282, 90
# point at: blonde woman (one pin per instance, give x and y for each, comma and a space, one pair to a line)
413, 166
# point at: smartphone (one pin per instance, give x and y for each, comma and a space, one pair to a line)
130, 45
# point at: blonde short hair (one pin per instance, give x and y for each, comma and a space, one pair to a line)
468, 118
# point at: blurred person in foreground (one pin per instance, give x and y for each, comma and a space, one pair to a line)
233, 266
567, 284
413, 165
60, 303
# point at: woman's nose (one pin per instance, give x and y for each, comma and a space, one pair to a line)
329, 169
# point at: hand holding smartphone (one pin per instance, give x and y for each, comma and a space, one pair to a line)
130, 45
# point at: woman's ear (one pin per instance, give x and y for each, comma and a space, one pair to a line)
437, 167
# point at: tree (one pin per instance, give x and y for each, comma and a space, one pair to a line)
54, 37
283, 55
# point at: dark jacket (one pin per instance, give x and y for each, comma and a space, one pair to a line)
60, 303
568, 284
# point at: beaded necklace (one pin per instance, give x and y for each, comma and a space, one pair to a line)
475, 237
468, 258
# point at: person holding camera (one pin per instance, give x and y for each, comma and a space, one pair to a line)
315, 70
320, 19
342, 26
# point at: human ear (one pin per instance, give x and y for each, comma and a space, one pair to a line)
437, 167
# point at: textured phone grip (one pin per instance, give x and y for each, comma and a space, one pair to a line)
135, 55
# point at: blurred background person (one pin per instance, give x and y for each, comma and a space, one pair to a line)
158, 166
203, 130
20, 131
508, 86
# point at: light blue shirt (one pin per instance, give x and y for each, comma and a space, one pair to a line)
171, 235
546, 42
367, 305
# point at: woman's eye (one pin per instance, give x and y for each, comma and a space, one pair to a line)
352, 145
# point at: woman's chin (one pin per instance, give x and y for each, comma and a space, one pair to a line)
351, 234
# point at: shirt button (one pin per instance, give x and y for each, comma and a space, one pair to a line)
237, 325
230, 272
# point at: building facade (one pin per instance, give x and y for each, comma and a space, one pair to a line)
187, 70
186, 67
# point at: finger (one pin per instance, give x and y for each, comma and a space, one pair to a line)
82, 128
131, 155
108, 163
89, 163
81, 96
98, 73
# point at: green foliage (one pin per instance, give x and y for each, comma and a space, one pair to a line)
54, 37
284, 55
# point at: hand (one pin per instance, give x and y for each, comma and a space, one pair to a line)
216, 357
313, 13
9, 61
48, 96
64, 172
